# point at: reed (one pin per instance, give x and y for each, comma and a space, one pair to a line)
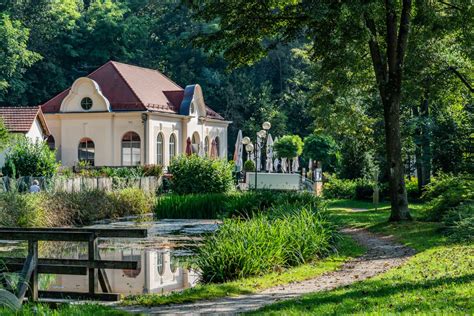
235, 204
264, 243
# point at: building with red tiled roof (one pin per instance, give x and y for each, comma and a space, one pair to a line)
122, 114
26, 120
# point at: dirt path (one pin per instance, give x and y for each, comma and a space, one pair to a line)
382, 254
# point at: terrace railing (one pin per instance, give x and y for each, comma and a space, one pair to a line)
93, 266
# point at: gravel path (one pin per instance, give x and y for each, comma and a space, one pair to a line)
382, 254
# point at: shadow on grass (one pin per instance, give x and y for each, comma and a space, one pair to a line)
342, 301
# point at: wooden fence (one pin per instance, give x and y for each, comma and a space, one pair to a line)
93, 266
76, 184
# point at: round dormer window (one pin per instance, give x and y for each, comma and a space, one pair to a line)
86, 103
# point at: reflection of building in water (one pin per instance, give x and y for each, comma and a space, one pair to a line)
155, 274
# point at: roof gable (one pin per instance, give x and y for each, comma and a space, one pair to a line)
20, 119
131, 88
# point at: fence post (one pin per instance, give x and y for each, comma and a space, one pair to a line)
92, 248
33, 249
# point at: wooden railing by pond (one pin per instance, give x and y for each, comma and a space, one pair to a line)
93, 266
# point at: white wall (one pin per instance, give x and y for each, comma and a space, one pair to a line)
35, 134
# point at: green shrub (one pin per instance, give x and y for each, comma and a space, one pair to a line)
459, 222
242, 248
446, 192
249, 166
130, 201
335, 188
288, 146
27, 158
194, 174
411, 184
364, 189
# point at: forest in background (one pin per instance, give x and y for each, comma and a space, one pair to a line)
46, 44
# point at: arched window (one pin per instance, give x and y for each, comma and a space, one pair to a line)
218, 146
159, 149
131, 154
51, 142
160, 262
172, 146
206, 146
195, 140
86, 151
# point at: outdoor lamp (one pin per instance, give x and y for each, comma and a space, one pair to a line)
266, 125
263, 133
245, 140
249, 147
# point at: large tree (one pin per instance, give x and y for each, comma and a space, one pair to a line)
342, 33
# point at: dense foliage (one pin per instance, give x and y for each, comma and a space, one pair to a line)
28, 158
4, 135
265, 243
459, 222
336, 188
288, 146
446, 192
194, 174
322, 148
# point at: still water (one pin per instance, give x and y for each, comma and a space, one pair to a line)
160, 257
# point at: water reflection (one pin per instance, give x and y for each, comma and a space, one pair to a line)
157, 272
158, 256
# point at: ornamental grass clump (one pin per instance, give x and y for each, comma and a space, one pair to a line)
195, 206
262, 244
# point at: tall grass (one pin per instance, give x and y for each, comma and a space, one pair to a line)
65, 208
196, 206
217, 205
265, 243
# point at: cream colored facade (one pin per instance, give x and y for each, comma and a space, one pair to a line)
107, 128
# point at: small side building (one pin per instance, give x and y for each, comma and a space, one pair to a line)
26, 120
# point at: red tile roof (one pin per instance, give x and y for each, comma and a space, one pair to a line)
131, 88
19, 119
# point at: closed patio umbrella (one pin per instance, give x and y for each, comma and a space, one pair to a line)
238, 152
259, 154
284, 165
269, 166
189, 149
296, 165
213, 149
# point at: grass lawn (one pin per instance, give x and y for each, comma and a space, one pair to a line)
439, 279
347, 249
64, 310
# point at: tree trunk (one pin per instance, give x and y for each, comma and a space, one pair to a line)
393, 146
388, 70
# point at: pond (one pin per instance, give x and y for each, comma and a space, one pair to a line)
160, 257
